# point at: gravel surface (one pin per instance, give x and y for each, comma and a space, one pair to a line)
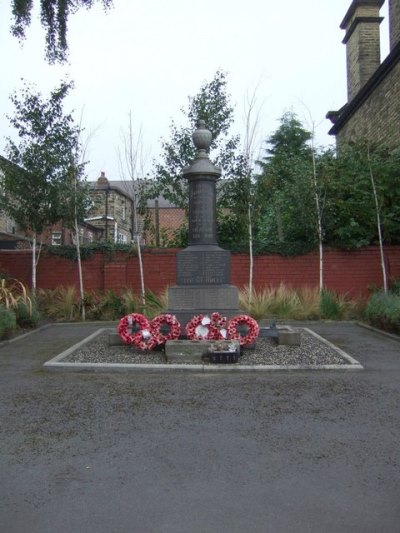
311, 352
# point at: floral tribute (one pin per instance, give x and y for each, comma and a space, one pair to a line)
142, 338
135, 329
165, 320
207, 328
250, 325
147, 335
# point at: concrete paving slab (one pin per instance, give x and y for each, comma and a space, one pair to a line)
270, 453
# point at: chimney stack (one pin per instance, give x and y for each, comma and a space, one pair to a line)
394, 22
362, 41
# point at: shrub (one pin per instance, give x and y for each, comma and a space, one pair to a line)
331, 307
7, 321
305, 303
27, 316
62, 303
110, 306
383, 311
14, 297
395, 286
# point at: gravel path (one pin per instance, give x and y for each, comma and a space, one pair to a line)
311, 352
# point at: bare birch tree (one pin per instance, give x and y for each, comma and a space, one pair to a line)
252, 112
131, 164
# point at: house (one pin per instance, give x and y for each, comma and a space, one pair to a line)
372, 111
113, 212
12, 236
111, 218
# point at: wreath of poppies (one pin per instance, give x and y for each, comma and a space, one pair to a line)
135, 329
142, 338
165, 320
243, 320
203, 327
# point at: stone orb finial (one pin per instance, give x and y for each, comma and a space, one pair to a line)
202, 137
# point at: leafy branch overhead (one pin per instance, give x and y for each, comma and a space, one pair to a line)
211, 104
54, 19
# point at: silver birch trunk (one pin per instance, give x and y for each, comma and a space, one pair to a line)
319, 223
251, 257
378, 223
34, 263
78, 255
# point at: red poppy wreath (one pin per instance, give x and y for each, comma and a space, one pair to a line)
165, 320
142, 338
250, 325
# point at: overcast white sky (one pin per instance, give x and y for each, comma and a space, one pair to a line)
148, 57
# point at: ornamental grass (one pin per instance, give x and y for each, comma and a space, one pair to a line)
64, 304
304, 303
15, 299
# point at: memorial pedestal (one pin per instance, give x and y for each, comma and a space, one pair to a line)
203, 269
188, 301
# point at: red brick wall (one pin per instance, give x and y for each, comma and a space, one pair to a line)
345, 272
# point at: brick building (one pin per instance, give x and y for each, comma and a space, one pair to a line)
12, 236
162, 217
110, 218
372, 111
112, 211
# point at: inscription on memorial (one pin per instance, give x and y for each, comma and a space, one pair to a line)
203, 268
202, 225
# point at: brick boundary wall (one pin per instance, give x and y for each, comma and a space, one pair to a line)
351, 273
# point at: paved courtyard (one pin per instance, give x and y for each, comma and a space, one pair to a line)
195, 453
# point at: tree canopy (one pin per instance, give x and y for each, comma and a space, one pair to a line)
211, 104
40, 184
54, 19
284, 190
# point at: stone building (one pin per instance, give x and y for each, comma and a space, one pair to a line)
162, 217
372, 111
111, 212
12, 236
110, 218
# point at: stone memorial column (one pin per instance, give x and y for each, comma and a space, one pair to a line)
203, 268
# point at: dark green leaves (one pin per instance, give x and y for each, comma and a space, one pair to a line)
54, 19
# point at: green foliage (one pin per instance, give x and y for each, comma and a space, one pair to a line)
285, 193
14, 297
304, 303
28, 316
54, 18
42, 182
383, 311
350, 221
212, 105
110, 307
89, 249
280, 302
179, 237
61, 304
330, 306
7, 321
395, 287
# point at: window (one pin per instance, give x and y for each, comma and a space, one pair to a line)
121, 238
56, 238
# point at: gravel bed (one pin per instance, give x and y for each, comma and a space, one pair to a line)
311, 352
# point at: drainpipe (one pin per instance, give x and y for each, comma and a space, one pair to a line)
106, 206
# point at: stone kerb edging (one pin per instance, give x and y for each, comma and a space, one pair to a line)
57, 363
